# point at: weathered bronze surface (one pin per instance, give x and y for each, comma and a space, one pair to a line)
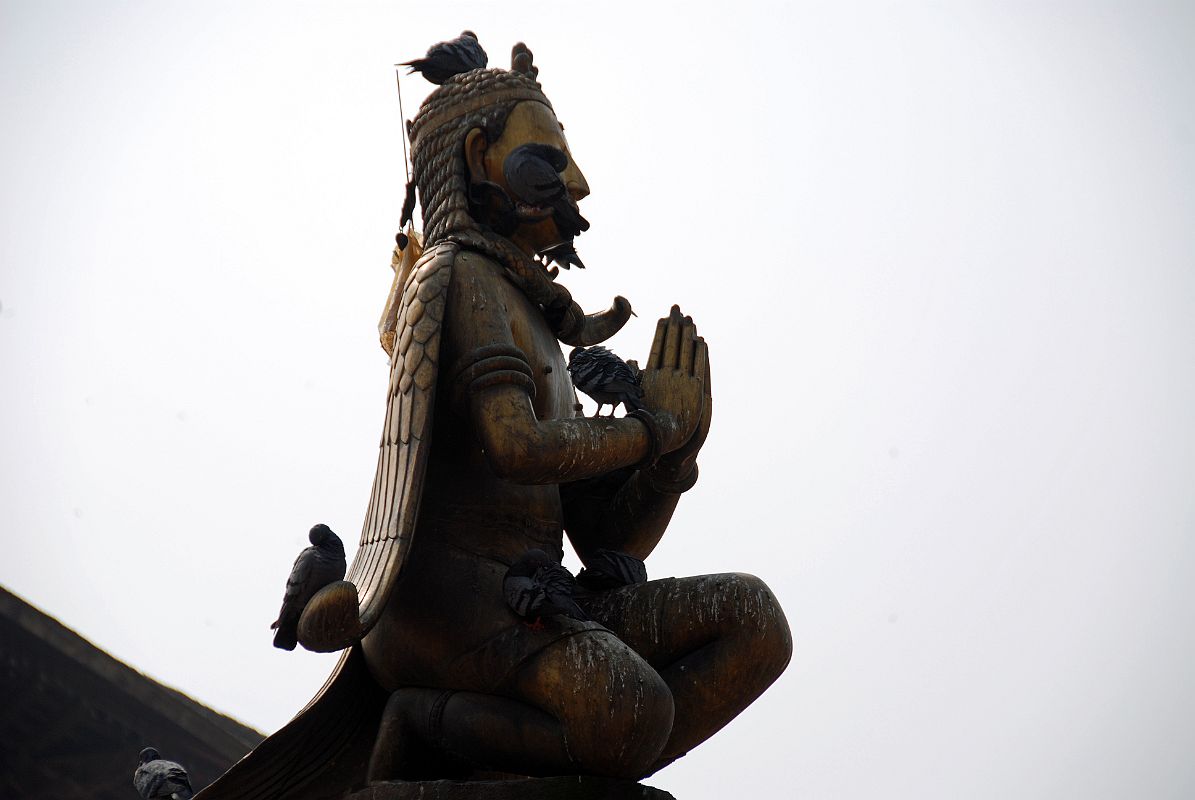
485, 455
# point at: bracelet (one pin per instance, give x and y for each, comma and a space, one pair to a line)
665, 486
654, 436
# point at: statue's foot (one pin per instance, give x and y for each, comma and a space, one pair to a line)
403, 749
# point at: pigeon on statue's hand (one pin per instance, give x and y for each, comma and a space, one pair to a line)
536, 586
159, 779
445, 59
606, 378
315, 568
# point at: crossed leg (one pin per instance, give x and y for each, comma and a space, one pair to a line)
689, 655
587, 703
718, 641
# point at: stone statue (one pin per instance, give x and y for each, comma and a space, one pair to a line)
485, 455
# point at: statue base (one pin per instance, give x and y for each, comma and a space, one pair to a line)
568, 787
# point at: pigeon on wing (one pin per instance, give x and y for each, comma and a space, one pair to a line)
315, 568
610, 569
156, 778
536, 586
532, 173
606, 378
445, 59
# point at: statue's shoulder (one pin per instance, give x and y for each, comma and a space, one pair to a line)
477, 277
469, 262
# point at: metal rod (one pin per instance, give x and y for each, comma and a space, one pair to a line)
406, 165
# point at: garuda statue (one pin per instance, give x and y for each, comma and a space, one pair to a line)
485, 455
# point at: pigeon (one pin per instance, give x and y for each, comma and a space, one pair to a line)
445, 59
158, 778
315, 568
606, 378
536, 586
610, 569
532, 173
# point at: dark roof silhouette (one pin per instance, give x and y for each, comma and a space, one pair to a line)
74, 718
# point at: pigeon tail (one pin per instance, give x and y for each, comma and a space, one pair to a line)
286, 638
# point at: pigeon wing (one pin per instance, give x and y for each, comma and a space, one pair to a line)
523, 594
144, 780
176, 783
161, 778
558, 586
299, 577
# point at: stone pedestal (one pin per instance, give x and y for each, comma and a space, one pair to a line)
572, 787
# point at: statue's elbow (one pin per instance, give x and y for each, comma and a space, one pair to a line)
512, 455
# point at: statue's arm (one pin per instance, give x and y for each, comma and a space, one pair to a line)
521, 448
620, 511
630, 509
494, 383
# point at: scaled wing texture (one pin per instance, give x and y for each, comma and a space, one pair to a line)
406, 433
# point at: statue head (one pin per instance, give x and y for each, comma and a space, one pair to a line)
461, 139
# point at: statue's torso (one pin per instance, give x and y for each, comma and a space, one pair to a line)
446, 622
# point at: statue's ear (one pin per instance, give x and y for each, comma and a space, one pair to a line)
475, 147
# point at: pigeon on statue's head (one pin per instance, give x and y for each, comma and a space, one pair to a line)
158, 779
445, 59
315, 568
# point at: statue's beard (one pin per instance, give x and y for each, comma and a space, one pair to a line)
493, 207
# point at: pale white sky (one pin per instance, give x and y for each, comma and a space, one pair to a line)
943, 255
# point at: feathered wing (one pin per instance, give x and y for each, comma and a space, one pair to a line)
162, 778
324, 749
327, 745
295, 582
406, 433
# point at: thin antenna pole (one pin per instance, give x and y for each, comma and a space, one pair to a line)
402, 124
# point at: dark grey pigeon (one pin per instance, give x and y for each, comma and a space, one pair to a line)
532, 172
156, 777
445, 59
315, 568
610, 569
536, 586
606, 378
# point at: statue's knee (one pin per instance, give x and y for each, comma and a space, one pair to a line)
625, 744
758, 615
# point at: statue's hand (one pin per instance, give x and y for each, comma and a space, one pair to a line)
679, 462
673, 379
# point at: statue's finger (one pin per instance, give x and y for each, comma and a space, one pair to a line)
703, 356
672, 340
688, 342
654, 360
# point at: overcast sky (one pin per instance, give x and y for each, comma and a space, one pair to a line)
944, 256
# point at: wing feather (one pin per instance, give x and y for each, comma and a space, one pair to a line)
398, 481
